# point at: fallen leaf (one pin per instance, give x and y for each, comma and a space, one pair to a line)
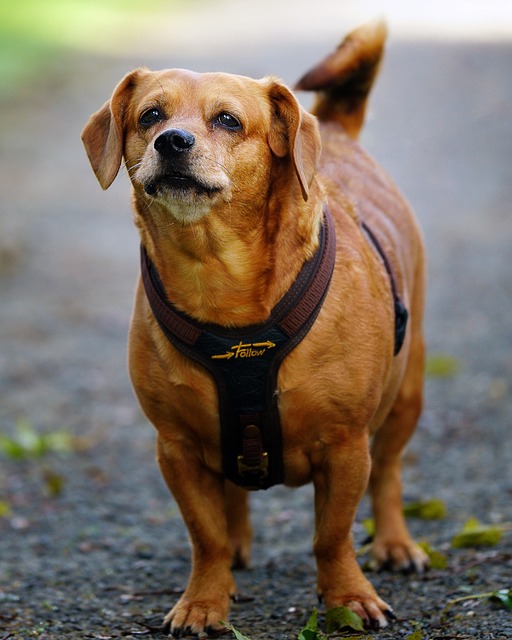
53, 483
311, 631
342, 618
28, 443
369, 526
503, 596
5, 509
433, 509
237, 634
440, 365
476, 534
437, 559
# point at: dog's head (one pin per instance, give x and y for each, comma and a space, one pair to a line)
192, 141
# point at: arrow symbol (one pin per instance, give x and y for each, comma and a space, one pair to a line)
223, 356
267, 344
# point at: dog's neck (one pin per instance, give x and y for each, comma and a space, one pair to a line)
231, 272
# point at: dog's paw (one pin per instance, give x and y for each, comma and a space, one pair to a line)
374, 612
405, 556
196, 617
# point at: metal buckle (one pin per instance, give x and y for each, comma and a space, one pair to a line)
260, 468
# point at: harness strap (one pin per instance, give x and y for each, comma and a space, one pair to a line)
244, 362
401, 313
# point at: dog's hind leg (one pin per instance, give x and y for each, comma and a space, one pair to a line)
393, 546
239, 526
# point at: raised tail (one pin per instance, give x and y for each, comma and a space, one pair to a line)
344, 78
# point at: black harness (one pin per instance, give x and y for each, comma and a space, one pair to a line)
244, 362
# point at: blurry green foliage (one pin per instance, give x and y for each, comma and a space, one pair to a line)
440, 365
5, 509
433, 509
476, 534
28, 443
33, 32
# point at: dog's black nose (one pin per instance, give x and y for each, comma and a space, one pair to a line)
174, 141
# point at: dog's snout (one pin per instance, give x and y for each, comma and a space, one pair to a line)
174, 141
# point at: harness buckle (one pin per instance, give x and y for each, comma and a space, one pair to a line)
260, 467
252, 463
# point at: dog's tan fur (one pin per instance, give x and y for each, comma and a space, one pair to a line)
227, 256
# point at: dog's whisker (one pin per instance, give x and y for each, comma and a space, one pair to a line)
134, 166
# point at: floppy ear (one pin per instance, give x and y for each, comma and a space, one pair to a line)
294, 131
103, 136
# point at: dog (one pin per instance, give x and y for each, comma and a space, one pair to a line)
235, 187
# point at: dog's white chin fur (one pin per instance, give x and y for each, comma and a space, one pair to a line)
187, 213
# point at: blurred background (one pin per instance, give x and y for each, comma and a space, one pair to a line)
440, 122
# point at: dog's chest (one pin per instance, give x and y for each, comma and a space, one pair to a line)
244, 363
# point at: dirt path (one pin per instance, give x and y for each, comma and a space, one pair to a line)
91, 544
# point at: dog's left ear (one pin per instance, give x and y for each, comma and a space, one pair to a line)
103, 135
294, 131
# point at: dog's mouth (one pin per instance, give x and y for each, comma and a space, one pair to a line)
178, 185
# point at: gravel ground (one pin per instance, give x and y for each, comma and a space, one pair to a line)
92, 545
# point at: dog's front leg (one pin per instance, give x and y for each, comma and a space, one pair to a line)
340, 482
200, 497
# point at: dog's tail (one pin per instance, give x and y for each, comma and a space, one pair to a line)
344, 78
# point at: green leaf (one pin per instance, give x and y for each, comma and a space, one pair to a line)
28, 443
58, 442
439, 365
31, 442
369, 526
309, 634
342, 618
503, 596
54, 483
311, 631
476, 534
433, 509
437, 559
415, 635
237, 634
11, 448
5, 509
312, 623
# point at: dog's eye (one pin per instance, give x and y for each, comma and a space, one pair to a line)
150, 116
228, 121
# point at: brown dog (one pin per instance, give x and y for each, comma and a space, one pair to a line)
230, 190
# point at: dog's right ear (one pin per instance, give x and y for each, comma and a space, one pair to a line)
294, 132
103, 135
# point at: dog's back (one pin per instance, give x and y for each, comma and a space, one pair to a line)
356, 185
